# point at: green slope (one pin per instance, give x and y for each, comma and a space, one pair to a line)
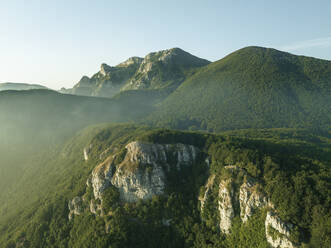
293, 166
252, 87
34, 120
42, 115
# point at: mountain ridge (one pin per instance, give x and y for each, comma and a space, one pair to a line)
162, 69
20, 86
252, 87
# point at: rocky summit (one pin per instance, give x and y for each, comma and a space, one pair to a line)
165, 69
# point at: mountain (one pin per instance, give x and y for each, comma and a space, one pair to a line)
252, 87
134, 186
36, 117
65, 183
158, 70
20, 86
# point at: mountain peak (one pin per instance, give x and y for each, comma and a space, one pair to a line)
130, 61
104, 69
165, 68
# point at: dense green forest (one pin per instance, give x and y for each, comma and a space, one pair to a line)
292, 165
253, 87
256, 122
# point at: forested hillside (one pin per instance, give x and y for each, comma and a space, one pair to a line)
290, 168
172, 151
253, 87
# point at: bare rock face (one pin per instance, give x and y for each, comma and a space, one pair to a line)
154, 71
140, 184
105, 69
131, 61
277, 232
101, 177
208, 187
164, 60
225, 206
141, 174
86, 152
75, 207
250, 199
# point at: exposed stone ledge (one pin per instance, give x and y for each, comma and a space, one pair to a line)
277, 231
225, 206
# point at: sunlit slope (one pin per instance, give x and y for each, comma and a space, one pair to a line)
44, 116
252, 87
291, 166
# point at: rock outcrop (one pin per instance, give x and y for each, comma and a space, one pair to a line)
208, 188
250, 199
277, 231
138, 172
225, 205
86, 152
148, 74
152, 72
140, 183
101, 177
131, 61
240, 194
108, 81
141, 174
75, 207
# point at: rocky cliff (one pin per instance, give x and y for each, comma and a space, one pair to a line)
250, 198
140, 171
164, 68
141, 174
137, 172
75, 207
108, 81
225, 205
241, 195
158, 70
277, 231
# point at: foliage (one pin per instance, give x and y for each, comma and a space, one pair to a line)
253, 87
291, 164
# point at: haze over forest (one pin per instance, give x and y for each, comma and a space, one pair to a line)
169, 132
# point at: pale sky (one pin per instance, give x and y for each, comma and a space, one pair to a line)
56, 42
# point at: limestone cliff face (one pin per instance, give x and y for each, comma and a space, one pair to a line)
148, 75
239, 194
75, 207
208, 188
141, 182
101, 177
250, 199
277, 231
86, 152
225, 205
141, 174
131, 61
138, 172
108, 81
156, 70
